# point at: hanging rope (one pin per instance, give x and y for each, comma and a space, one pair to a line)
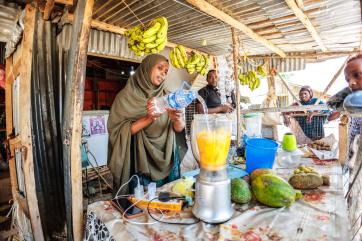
139, 20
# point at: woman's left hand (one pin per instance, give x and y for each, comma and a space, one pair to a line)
177, 119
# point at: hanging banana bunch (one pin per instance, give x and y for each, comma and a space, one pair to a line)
260, 70
150, 39
250, 79
178, 57
197, 62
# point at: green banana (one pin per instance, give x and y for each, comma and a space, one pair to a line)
154, 26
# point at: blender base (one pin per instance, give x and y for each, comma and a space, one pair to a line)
213, 201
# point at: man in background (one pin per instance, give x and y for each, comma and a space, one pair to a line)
211, 96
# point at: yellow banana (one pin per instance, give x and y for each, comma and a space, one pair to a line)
193, 59
164, 27
154, 26
179, 57
154, 50
183, 52
174, 60
151, 45
162, 45
149, 39
161, 40
140, 47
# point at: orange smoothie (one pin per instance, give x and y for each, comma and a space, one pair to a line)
213, 148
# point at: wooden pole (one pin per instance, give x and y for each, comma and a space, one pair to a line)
332, 81
235, 59
286, 85
24, 120
72, 119
343, 139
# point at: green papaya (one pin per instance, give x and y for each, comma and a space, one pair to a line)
274, 191
240, 191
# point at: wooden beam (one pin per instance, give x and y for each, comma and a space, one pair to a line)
119, 30
72, 118
306, 22
332, 81
311, 55
237, 87
286, 109
287, 86
65, 2
300, 4
215, 12
24, 120
49, 5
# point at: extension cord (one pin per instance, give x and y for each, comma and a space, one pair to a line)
172, 205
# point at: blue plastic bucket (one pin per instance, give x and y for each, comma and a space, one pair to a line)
260, 153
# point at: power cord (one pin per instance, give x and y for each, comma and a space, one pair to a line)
160, 220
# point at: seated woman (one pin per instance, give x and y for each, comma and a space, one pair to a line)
142, 141
312, 123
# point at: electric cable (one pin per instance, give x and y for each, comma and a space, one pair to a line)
160, 220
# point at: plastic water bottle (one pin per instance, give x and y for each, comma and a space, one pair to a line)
178, 99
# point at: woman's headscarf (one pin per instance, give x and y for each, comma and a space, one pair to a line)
153, 144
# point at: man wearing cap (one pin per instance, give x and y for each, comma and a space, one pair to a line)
312, 124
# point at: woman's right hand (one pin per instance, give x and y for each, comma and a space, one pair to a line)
151, 110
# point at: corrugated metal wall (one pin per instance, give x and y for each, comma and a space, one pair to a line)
101, 43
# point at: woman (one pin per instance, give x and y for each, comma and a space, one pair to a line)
312, 123
142, 141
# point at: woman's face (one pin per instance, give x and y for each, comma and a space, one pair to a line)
159, 72
353, 74
304, 95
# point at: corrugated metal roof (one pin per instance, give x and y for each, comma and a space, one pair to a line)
272, 19
9, 14
101, 43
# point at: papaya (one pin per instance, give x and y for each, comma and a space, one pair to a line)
274, 191
240, 191
258, 172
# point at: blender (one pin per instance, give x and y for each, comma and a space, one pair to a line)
212, 189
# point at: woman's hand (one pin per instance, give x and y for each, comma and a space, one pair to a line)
176, 116
151, 110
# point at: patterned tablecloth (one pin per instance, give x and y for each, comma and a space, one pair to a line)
320, 215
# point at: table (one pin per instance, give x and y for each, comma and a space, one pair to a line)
320, 215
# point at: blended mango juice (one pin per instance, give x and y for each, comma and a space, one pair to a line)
213, 148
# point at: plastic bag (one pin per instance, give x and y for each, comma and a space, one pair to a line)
273, 118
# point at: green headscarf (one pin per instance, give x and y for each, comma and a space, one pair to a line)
153, 144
